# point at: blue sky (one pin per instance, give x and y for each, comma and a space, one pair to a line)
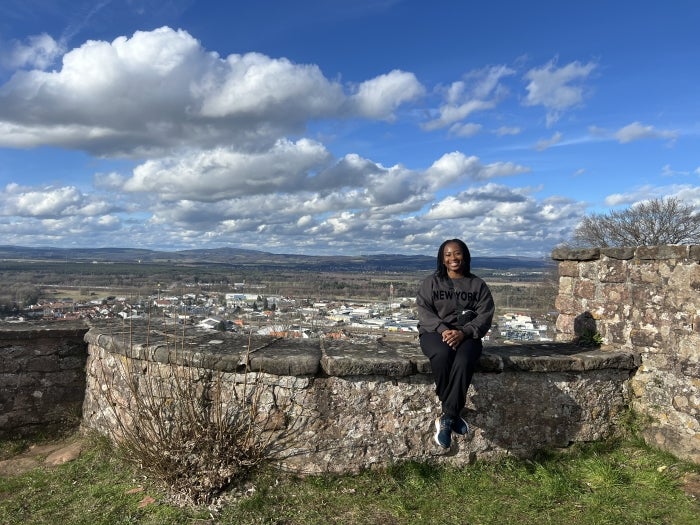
340, 127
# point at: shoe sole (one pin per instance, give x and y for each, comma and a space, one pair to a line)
437, 432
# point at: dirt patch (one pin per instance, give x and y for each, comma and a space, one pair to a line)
42, 455
691, 485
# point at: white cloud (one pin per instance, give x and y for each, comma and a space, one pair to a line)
638, 131
557, 89
224, 173
49, 202
455, 167
548, 143
498, 216
379, 97
465, 130
508, 130
668, 171
686, 192
40, 51
160, 90
478, 91
476, 202
254, 85
221, 153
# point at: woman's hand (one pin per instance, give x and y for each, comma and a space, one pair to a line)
453, 338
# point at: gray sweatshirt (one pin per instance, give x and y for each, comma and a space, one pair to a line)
463, 303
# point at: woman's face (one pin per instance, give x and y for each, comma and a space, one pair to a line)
452, 258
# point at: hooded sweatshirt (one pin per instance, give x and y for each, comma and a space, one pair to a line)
464, 303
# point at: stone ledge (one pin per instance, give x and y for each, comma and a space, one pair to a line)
33, 330
680, 251
392, 357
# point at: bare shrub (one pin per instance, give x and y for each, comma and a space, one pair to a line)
187, 428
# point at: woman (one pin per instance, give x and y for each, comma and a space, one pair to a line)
455, 310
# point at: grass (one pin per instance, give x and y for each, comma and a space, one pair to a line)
616, 482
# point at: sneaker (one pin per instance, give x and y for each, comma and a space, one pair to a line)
459, 426
443, 431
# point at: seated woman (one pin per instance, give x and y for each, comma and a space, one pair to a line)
455, 310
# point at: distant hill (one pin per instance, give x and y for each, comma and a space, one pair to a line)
246, 258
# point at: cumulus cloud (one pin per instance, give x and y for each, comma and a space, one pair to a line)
557, 88
497, 215
456, 167
50, 202
475, 202
160, 90
219, 152
379, 97
223, 173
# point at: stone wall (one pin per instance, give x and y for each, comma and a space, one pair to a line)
644, 299
333, 406
42, 377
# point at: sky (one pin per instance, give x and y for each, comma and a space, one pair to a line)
341, 127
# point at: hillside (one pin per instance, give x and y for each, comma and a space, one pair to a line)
236, 257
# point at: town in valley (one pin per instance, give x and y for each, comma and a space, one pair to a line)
281, 301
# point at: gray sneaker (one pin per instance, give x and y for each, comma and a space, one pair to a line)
443, 431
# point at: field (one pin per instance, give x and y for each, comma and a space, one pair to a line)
622, 482
28, 281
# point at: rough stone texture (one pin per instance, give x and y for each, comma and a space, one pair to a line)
644, 299
42, 376
357, 406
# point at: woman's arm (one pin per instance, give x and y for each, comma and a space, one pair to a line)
485, 309
428, 319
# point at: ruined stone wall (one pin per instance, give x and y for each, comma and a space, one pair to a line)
646, 299
42, 377
333, 406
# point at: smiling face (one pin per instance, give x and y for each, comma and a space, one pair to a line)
453, 258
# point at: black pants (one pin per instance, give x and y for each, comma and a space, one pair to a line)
452, 369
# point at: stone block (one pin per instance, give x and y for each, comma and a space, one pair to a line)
644, 338
612, 271
287, 359
566, 304
661, 252
623, 254
342, 359
575, 254
694, 253
566, 285
568, 269
565, 323
585, 289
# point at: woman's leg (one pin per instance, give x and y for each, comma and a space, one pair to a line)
465, 361
452, 369
441, 358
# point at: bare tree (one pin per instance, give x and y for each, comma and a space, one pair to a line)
658, 221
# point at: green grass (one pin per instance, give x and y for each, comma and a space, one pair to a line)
619, 482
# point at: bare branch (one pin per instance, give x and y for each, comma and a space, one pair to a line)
658, 221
